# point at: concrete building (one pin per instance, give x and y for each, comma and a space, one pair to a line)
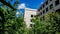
48, 6
29, 13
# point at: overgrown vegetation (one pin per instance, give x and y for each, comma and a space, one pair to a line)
50, 25
9, 23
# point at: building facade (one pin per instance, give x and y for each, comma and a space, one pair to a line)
29, 13
48, 6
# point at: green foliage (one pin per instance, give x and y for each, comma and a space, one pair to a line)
11, 24
48, 26
15, 26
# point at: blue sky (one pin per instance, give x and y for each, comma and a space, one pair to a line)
35, 4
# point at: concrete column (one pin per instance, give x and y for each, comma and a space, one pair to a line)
48, 1
45, 10
53, 3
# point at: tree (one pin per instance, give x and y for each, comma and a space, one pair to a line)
10, 23
48, 26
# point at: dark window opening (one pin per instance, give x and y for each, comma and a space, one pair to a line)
51, 6
31, 15
30, 25
46, 2
31, 20
58, 10
56, 2
46, 9
40, 13
50, 0
43, 6
43, 11
40, 8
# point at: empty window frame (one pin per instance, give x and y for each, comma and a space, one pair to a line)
51, 6
43, 5
40, 13
30, 25
43, 11
56, 2
46, 9
46, 2
50, 0
31, 20
41, 8
31, 15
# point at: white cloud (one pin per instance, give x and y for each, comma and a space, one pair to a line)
21, 6
41, 2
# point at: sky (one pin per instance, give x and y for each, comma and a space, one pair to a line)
33, 4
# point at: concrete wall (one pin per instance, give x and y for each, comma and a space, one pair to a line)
27, 16
55, 7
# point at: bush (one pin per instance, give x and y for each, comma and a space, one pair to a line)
48, 26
